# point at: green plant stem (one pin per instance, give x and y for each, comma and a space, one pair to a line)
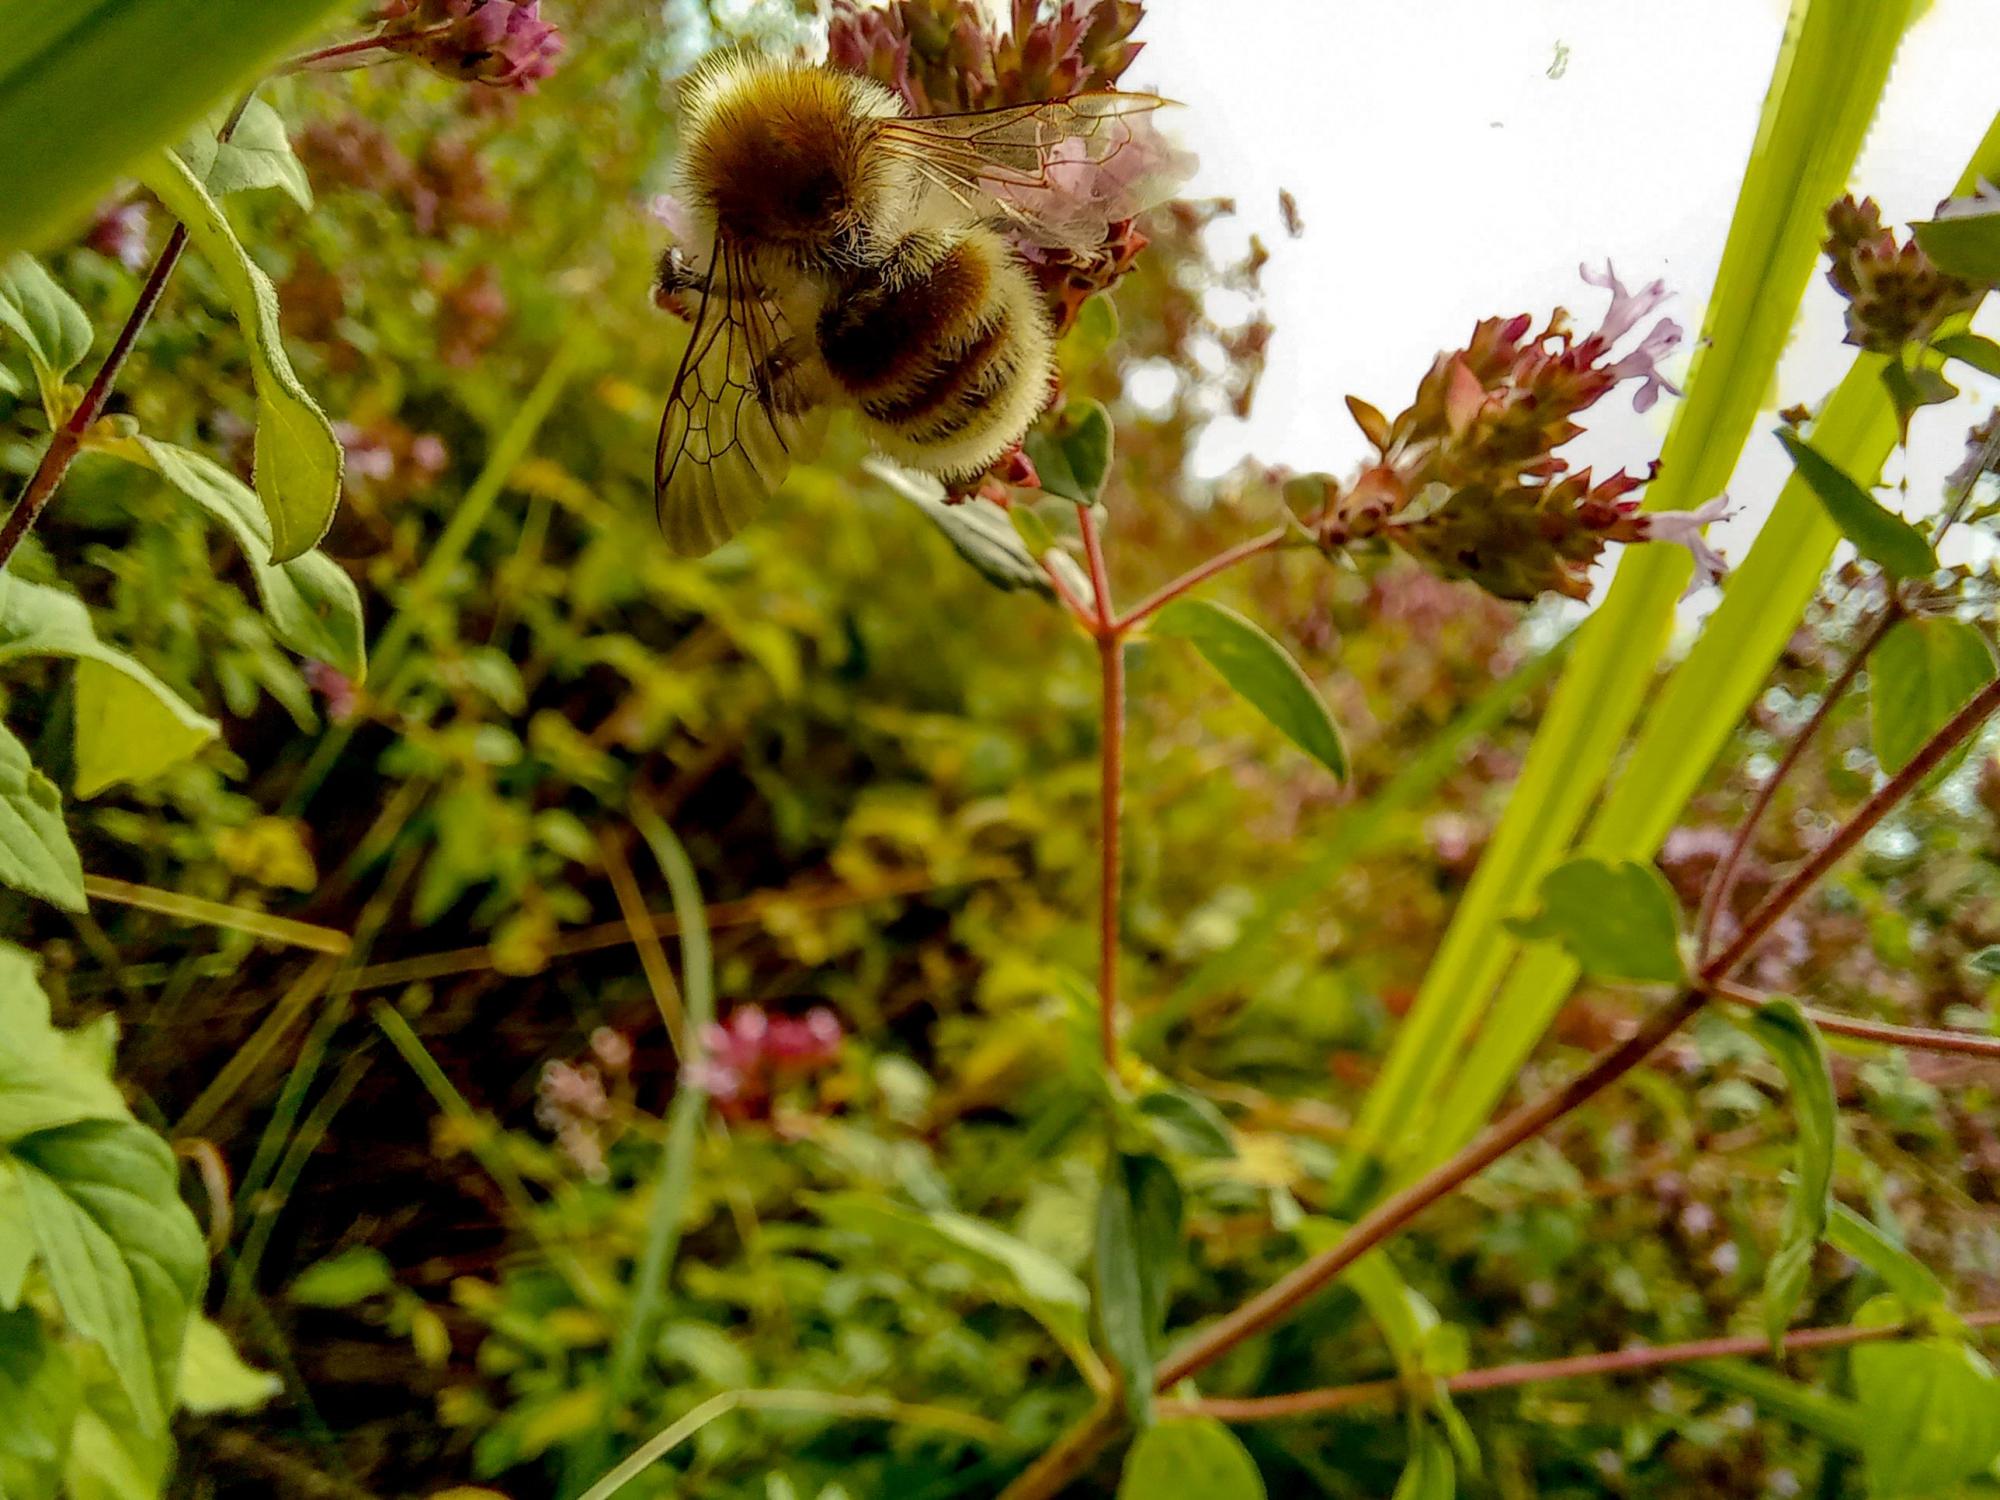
1722, 884
1580, 1366
1074, 1451
676, 1173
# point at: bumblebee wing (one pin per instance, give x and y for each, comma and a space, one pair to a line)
735, 418
1057, 171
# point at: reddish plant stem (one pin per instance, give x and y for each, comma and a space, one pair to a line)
1073, 1453
1111, 753
1221, 562
1917, 1038
67, 440
344, 54
1499, 1377
1722, 884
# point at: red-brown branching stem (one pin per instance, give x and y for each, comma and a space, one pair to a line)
352, 54
1221, 562
1916, 1038
1073, 1453
67, 440
1580, 1366
1111, 754
1722, 884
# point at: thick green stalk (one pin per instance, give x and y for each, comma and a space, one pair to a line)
1695, 716
1830, 74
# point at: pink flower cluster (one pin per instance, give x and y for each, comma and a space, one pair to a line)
944, 56
1895, 295
748, 1057
1468, 478
573, 1103
501, 43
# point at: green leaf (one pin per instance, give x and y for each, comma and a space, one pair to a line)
1429, 1474
1618, 920
1919, 675
342, 1280
129, 724
214, 1377
1185, 1121
1191, 1457
981, 533
36, 854
17, 1242
1985, 962
1912, 388
1138, 1247
1007, 1269
1433, 1093
1916, 1286
258, 154
1933, 1409
1970, 349
1963, 245
121, 732
1789, 1035
45, 318
45, 1083
313, 605
123, 1253
1261, 670
112, 1457
297, 457
165, 63
40, 1393
1072, 451
1878, 534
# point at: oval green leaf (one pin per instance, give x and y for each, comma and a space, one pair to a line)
36, 854
44, 317
1878, 534
1138, 1246
1933, 1409
1262, 671
1190, 1456
1618, 919
1919, 675
1072, 452
298, 459
1963, 245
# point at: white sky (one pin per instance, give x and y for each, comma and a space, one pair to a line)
1444, 175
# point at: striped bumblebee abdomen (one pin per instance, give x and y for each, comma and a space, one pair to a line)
942, 349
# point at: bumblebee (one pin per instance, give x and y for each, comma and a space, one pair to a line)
848, 255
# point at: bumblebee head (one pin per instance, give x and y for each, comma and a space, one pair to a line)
783, 157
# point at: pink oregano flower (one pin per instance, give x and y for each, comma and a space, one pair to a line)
1469, 478
500, 43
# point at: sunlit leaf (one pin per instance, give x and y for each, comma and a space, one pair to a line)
1972, 349
214, 1376
1429, 1474
298, 460
1072, 451
258, 154
36, 854
1789, 1035
1618, 920
1915, 1284
312, 603
1190, 1456
40, 1392
1933, 1410
1878, 534
122, 1251
1920, 674
342, 1280
1262, 671
124, 728
1963, 245
981, 532
46, 319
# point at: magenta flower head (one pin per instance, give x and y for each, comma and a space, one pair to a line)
1469, 478
746, 1059
501, 43
119, 231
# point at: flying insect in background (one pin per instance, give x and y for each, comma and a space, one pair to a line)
848, 254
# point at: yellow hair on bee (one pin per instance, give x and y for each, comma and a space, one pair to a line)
781, 159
